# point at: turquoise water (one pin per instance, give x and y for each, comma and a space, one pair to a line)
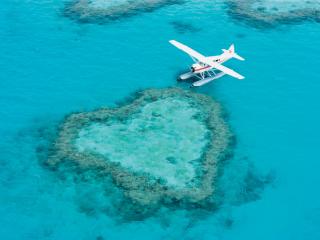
51, 66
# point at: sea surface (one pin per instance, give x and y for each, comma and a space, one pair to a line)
51, 66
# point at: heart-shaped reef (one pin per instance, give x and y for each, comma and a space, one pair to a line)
164, 147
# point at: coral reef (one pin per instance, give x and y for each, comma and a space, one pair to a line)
165, 148
100, 11
272, 13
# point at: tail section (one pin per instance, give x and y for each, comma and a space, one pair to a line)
231, 48
232, 52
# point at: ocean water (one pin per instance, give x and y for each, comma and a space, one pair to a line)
51, 66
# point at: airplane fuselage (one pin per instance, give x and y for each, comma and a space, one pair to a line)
199, 67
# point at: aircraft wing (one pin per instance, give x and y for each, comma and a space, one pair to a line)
228, 71
188, 50
223, 69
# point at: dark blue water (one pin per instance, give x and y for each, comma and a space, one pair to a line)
51, 66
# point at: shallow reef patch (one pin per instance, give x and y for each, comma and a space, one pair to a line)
102, 11
183, 27
164, 148
271, 13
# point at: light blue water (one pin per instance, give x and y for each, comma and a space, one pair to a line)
51, 66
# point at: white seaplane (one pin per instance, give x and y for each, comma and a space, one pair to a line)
207, 69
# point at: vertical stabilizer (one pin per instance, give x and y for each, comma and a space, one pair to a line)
231, 48
232, 52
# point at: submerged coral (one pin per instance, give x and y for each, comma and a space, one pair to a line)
163, 148
271, 13
184, 27
104, 10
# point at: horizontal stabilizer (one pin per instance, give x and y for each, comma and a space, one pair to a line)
236, 56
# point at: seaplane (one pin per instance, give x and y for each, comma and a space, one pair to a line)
207, 69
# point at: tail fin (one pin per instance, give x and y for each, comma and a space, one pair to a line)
232, 52
231, 48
